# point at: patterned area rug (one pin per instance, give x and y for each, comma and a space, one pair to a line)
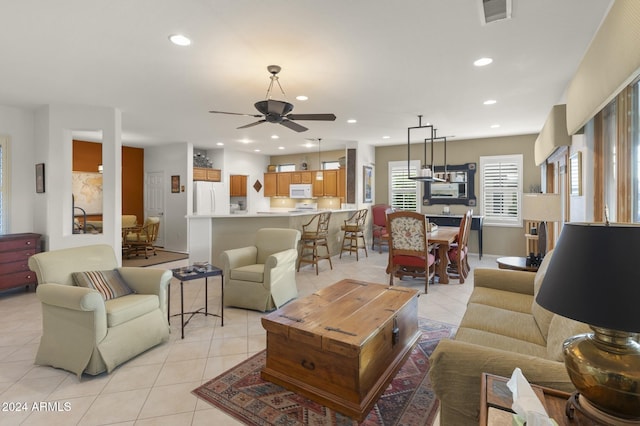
162, 256
408, 400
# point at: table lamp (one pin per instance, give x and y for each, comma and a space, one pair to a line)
593, 278
542, 208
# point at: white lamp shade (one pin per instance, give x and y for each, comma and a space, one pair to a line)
542, 207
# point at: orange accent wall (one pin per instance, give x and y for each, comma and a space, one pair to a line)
88, 155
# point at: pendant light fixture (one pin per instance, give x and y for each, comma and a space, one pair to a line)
425, 174
319, 173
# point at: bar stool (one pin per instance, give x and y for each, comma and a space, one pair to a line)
315, 234
354, 231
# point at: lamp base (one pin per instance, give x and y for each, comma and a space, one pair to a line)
599, 417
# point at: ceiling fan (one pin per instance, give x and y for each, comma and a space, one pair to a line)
279, 112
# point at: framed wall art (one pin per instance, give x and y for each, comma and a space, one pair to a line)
40, 178
367, 181
175, 184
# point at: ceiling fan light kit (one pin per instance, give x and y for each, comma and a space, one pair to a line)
278, 112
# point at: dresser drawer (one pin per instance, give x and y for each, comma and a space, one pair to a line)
8, 268
18, 244
17, 256
17, 279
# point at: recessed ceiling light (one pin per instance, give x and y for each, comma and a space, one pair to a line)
245, 141
482, 62
275, 137
180, 40
256, 150
309, 145
302, 98
220, 144
495, 126
281, 147
490, 102
352, 120
386, 137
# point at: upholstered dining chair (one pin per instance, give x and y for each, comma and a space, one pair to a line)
262, 277
458, 254
143, 238
409, 251
379, 225
96, 315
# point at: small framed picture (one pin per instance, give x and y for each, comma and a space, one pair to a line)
367, 189
40, 178
175, 184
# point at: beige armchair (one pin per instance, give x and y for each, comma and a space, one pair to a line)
81, 332
262, 277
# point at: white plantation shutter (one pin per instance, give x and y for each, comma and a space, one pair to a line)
403, 192
501, 189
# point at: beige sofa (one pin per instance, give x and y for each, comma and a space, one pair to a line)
502, 328
83, 333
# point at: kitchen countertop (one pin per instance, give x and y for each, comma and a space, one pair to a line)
276, 213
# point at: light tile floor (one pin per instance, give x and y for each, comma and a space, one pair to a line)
155, 387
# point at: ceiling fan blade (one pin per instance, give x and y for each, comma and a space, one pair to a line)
252, 124
321, 117
235, 113
293, 126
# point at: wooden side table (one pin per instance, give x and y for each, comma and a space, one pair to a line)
496, 401
515, 263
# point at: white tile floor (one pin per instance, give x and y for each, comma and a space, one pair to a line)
155, 387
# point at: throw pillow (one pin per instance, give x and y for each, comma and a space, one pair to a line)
109, 283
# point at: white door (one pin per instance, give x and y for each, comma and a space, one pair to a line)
154, 201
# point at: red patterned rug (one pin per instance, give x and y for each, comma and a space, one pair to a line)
408, 400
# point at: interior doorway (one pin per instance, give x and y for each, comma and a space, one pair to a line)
154, 201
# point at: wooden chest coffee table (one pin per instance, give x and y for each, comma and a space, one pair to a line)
342, 345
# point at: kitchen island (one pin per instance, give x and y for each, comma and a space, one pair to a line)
210, 235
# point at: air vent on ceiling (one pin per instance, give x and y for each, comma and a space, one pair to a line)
495, 10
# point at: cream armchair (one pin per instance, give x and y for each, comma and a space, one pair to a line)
262, 277
81, 332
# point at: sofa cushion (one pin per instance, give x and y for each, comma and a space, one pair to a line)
508, 300
560, 329
541, 315
252, 273
124, 309
513, 324
108, 283
497, 341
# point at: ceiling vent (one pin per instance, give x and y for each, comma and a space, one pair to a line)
495, 10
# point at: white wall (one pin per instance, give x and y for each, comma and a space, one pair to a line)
173, 159
18, 125
252, 165
53, 146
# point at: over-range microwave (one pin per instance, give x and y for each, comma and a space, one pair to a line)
300, 190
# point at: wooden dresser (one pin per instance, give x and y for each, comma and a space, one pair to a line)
15, 250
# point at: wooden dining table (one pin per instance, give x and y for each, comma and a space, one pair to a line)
443, 237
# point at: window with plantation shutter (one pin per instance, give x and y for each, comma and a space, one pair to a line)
403, 192
501, 189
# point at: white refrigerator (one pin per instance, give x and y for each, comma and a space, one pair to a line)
210, 198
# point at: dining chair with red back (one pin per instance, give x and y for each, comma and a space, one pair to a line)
458, 254
409, 251
379, 226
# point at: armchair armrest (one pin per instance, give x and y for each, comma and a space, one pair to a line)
70, 297
281, 259
504, 279
146, 280
235, 258
457, 367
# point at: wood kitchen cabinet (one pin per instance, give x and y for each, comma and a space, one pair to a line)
238, 185
301, 177
328, 186
342, 183
284, 181
206, 174
15, 250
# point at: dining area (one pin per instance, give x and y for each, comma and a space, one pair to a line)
420, 249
